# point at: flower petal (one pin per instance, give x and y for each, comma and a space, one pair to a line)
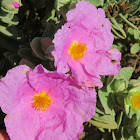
9, 87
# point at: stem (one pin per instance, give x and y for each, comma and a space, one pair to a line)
128, 22
120, 36
136, 62
118, 26
136, 19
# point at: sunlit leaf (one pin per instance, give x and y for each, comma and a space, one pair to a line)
135, 48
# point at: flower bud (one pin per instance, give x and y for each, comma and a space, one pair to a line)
119, 84
11, 4
16, 5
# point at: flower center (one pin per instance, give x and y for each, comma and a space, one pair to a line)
42, 101
136, 100
77, 50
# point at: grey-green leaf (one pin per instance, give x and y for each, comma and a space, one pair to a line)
106, 102
135, 48
103, 125
97, 2
126, 72
136, 34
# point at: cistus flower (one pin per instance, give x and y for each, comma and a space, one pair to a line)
83, 45
44, 105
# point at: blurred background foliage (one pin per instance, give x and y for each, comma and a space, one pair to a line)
26, 35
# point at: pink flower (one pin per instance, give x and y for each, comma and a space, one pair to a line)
84, 46
16, 5
44, 105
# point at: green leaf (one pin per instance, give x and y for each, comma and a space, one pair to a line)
61, 3
126, 106
124, 133
110, 79
27, 62
136, 123
130, 30
14, 11
134, 89
108, 119
103, 125
26, 53
136, 6
97, 2
102, 130
136, 34
99, 111
134, 83
49, 30
114, 46
113, 136
135, 48
119, 119
13, 57
36, 47
114, 99
126, 72
11, 32
131, 138
51, 17
138, 132
6, 15
4, 31
106, 102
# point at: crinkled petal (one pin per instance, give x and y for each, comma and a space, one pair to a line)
10, 87
70, 129
83, 103
24, 125
75, 18
62, 67
114, 54
102, 62
82, 76
107, 66
29, 123
41, 80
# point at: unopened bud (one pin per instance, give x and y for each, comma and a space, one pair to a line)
119, 84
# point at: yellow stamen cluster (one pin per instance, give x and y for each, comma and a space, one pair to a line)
77, 50
136, 100
42, 101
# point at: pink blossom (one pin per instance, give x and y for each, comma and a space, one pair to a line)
83, 45
16, 5
44, 105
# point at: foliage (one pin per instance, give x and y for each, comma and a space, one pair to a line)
114, 112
